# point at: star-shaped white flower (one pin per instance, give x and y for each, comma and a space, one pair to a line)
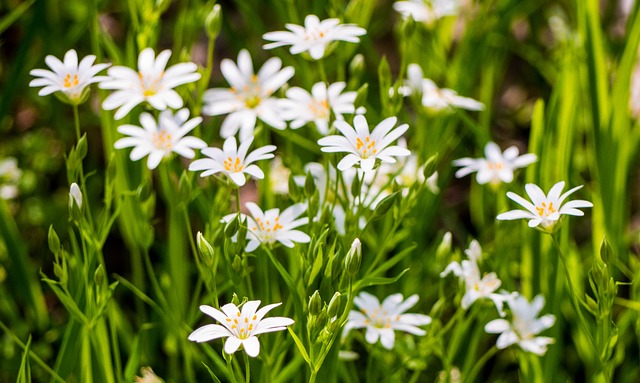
364, 147
150, 83
314, 36
524, 325
497, 166
545, 210
240, 327
68, 77
477, 287
426, 11
302, 107
381, 320
233, 161
159, 140
435, 98
272, 226
250, 95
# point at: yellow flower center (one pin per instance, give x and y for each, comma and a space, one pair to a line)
545, 210
149, 84
366, 148
495, 165
70, 81
379, 318
232, 165
267, 228
320, 109
162, 140
242, 326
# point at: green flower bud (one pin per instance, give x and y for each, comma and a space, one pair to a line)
54, 241
82, 147
386, 204
184, 187
213, 22
232, 227
334, 305
430, 166
315, 304
99, 276
309, 186
294, 190
205, 250
606, 252
356, 66
354, 258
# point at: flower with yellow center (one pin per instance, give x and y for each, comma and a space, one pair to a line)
314, 37
233, 161
150, 83
545, 210
159, 140
68, 77
497, 167
240, 327
524, 326
364, 147
302, 107
249, 97
381, 320
477, 287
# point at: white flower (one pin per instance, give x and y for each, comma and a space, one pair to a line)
426, 12
159, 140
249, 97
303, 107
545, 210
68, 77
271, 226
241, 327
148, 376
434, 98
524, 326
279, 177
476, 287
496, 167
10, 175
314, 36
233, 161
381, 320
75, 195
151, 83
364, 147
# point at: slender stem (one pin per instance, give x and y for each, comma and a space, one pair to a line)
76, 120
247, 368
229, 359
481, 362
323, 73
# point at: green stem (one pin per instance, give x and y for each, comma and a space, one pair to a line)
76, 120
481, 362
247, 368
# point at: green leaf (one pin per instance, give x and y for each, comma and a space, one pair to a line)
376, 281
301, 348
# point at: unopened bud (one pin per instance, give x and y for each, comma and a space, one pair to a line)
444, 248
75, 196
205, 250
334, 305
236, 264
213, 22
235, 299
99, 276
354, 257
184, 187
356, 66
309, 185
386, 204
430, 166
82, 147
232, 226
605, 251
54, 241
315, 304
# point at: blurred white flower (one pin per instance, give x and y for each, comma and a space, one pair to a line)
148, 376
496, 167
524, 325
434, 98
634, 92
546, 210
150, 83
272, 226
426, 11
233, 161
381, 320
477, 287
75, 196
240, 327
302, 107
279, 176
159, 140
10, 175
250, 95
314, 36
69, 77
364, 148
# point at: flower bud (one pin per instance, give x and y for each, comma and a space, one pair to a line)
82, 147
334, 305
54, 241
205, 250
309, 185
444, 248
353, 259
184, 187
606, 251
236, 264
99, 276
232, 226
386, 204
213, 22
356, 66
75, 196
315, 304
430, 166
294, 190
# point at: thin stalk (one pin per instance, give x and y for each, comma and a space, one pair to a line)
480, 363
